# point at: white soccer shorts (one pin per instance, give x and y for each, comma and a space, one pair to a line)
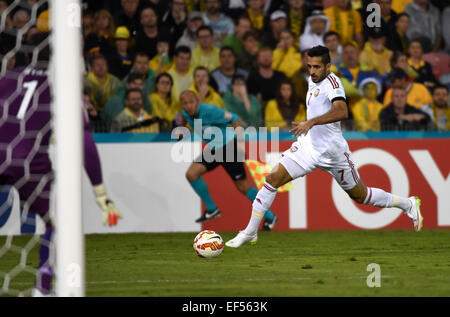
300, 162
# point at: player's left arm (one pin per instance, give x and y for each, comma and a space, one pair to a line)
110, 214
337, 113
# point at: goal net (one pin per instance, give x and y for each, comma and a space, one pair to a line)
41, 241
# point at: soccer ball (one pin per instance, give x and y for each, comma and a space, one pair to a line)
208, 244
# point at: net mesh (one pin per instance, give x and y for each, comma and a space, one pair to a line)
25, 168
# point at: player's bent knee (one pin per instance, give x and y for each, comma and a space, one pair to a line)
191, 177
357, 198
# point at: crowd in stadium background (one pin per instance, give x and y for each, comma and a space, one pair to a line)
248, 57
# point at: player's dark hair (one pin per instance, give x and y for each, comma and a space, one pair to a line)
182, 49
320, 51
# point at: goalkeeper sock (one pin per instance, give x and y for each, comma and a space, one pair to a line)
201, 189
251, 194
45, 274
45, 247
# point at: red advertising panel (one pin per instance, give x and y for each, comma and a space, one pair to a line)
405, 167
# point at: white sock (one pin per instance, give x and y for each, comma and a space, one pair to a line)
254, 222
378, 198
401, 202
265, 197
261, 204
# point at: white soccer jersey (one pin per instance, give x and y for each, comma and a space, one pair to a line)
325, 141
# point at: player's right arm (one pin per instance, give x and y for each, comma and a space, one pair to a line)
337, 113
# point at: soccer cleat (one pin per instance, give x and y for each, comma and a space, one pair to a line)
415, 214
242, 238
269, 224
208, 215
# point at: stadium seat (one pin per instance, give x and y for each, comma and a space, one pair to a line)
327, 3
440, 63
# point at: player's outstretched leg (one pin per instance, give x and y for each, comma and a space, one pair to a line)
379, 198
270, 220
264, 199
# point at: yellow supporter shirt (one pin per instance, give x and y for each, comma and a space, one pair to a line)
400, 5
127, 118
163, 110
180, 82
100, 93
257, 21
347, 23
212, 98
366, 115
209, 60
379, 61
287, 62
274, 118
417, 96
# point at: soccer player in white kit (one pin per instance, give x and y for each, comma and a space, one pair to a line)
320, 144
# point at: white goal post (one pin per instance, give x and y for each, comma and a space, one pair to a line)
67, 106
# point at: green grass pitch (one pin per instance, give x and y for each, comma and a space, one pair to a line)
282, 264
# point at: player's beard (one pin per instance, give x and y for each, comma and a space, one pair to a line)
320, 77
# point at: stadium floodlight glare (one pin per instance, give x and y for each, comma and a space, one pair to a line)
66, 71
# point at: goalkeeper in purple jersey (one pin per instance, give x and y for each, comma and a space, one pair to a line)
25, 131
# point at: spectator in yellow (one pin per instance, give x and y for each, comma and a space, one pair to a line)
375, 54
422, 67
205, 54
351, 71
204, 92
163, 105
134, 118
297, 17
441, 109
181, 71
367, 110
417, 94
285, 108
100, 84
101, 40
345, 21
256, 14
161, 62
400, 60
286, 57
400, 5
